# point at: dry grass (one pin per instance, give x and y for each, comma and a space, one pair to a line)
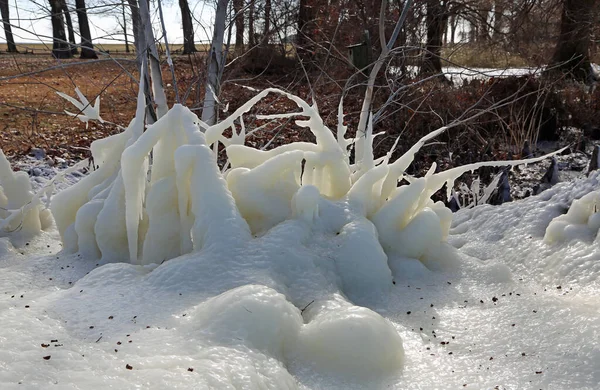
483, 57
112, 48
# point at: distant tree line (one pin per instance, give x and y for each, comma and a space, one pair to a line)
555, 32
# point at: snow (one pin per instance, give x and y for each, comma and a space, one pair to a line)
294, 269
460, 75
467, 75
241, 316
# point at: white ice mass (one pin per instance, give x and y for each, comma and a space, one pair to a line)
292, 269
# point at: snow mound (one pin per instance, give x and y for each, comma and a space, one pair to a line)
252, 315
351, 340
552, 237
582, 219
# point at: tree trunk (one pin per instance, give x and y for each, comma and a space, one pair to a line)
135, 21
149, 53
472, 31
125, 28
10, 41
304, 35
188, 28
498, 19
453, 26
73, 44
139, 41
87, 48
251, 32
483, 27
267, 29
238, 6
436, 19
215, 62
571, 55
60, 46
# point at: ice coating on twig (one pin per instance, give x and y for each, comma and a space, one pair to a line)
86, 112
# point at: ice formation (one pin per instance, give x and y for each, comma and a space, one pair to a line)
131, 210
86, 112
158, 194
581, 220
20, 208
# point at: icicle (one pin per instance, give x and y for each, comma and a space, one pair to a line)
399, 166
448, 177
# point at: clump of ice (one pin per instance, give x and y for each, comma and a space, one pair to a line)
21, 210
581, 220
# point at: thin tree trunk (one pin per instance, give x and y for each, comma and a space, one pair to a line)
150, 52
472, 31
125, 28
251, 40
436, 19
139, 41
304, 34
215, 62
267, 29
445, 35
60, 46
138, 38
498, 19
188, 28
10, 41
238, 6
483, 28
87, 48
70, 30
571, 55
453, 26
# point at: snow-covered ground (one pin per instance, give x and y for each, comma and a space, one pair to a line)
459, 75
294, 269
516, 313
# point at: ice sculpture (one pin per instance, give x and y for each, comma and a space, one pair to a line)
131, 210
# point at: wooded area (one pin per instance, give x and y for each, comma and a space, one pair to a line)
532, 32
328, 48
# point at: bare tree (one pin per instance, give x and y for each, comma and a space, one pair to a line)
215, 64
10, 41
60, 46
437, 18
305, 23
87, 48
571, 54
73, 44
251, 31
238, 9
188, 28
136, 23
124, 27
267, 26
